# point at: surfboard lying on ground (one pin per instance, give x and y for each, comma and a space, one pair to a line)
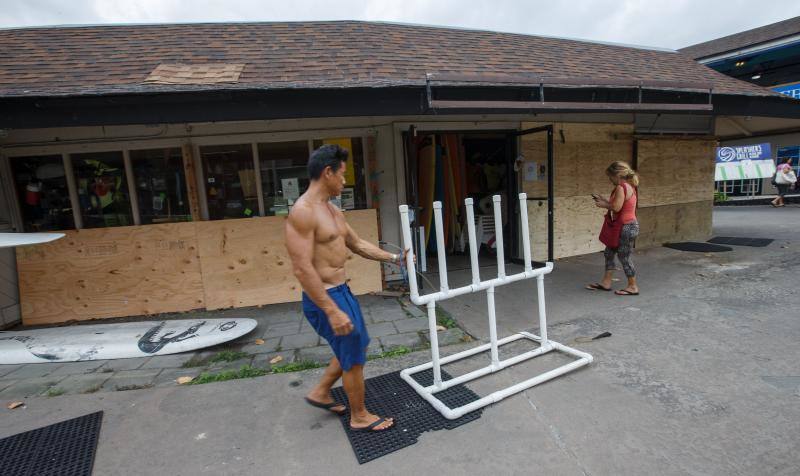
118, 341
8, 240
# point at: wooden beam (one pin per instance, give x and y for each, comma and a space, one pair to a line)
191, 181
132, 195
69, 173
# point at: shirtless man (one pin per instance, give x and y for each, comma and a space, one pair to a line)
318, 239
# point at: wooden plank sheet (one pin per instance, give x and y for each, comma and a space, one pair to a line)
111, 272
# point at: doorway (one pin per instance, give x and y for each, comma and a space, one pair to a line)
449, 167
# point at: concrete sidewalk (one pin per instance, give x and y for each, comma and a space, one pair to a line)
700, 376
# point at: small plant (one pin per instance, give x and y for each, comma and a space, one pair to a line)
720, 197
444, 319
228, 356
125, 388
245, 372
223, 356
54, 392
396, 352
93, 389
296, 366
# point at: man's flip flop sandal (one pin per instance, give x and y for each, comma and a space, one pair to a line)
327, 406
371, 426
623, 292
597, 287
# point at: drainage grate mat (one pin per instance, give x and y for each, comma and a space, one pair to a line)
390, 395
63, 449
732, 240
699, 247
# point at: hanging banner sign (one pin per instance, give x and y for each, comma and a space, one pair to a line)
744, 162
791, 90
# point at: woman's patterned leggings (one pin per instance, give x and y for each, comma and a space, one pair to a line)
629, 233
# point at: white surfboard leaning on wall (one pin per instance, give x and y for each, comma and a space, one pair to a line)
8, 240
118, 341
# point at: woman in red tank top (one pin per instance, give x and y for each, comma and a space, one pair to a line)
622, 206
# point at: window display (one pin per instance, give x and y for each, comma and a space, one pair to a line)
160, 185
102, 189
230, 181
41, 186
284, 176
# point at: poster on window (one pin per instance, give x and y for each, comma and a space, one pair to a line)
349, 172
291, 188
348, 199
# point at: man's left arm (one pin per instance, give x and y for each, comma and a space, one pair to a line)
367, 250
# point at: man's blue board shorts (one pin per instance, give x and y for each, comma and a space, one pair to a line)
350, 349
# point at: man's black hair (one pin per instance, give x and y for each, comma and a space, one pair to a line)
330, 155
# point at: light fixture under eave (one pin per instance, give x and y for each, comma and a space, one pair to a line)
739, 63
756, 76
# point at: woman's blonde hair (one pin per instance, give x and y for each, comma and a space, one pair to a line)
623, 171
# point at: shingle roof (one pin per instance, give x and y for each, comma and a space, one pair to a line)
744, 39
97, 60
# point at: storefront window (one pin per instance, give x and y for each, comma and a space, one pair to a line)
284, 174
42, 190
102, 189
160, 185
230, 181
354, 195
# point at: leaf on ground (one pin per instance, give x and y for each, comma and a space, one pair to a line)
184, 380
13, 405
276, 359
259, 341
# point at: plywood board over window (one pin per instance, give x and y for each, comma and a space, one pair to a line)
111, 272
245, 262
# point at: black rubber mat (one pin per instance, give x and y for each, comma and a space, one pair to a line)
736, 241
62, 449
698, 247
390, 395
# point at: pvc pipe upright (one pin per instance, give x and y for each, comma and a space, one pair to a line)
407, 245
498, 237
526, 233
492, 326
473, 243
440, 249
437, 371
542, 315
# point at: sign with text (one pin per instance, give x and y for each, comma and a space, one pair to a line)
744, 162
791, 90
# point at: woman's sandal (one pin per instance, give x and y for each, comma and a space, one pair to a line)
625, 292
597, 287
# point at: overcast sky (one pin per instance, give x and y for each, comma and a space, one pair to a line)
668, 24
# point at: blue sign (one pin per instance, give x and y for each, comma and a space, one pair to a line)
726, 155
791, 90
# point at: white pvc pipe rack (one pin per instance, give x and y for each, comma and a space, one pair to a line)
445, 292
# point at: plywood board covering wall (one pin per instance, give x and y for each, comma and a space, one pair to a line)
581, 153
111, 272
139, 270
675, 195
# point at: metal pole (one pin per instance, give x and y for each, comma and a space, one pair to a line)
550, 175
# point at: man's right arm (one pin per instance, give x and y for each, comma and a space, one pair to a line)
299, 235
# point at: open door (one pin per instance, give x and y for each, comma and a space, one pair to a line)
534, 167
